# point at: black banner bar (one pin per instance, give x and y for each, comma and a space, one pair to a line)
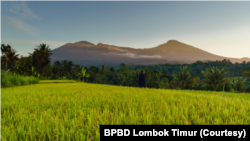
155, 132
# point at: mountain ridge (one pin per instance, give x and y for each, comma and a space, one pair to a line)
173, 51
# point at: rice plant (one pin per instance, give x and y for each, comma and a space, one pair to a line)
74, 111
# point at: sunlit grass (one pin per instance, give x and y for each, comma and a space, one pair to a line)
74, 111
57, 81
17, 80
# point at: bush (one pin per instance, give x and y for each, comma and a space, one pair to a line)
8, 80
227, 87
15, 80
163, 85
24, 82
207, 87
5, 83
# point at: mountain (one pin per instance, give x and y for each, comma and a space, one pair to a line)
86, 54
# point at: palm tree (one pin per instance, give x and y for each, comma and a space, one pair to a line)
13, 57
10, 56
5, 49
6, 58
246, 72
41, 57
215, 77
82, 74
184, 79
238, 84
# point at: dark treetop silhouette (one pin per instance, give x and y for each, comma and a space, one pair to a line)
142, 80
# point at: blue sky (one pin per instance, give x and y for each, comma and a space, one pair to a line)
222, 28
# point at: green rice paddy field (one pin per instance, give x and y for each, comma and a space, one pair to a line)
74, 111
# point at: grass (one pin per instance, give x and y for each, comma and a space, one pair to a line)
57, 81
17, 80
74, 111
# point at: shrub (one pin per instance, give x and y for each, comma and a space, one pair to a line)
8, 80
24, 82
163, 85
207, 87
15, 80
227, 87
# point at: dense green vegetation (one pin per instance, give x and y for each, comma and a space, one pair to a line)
196, 76
9, 80
74, 111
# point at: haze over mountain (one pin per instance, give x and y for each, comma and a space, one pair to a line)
86, 54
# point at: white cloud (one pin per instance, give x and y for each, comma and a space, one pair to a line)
146, 56
23, 10
21, 25
132, 55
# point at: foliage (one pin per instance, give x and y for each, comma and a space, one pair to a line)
34, 73
24, 66
83, 74
227, 87
41, 59
164, 85
9, 80
184, 79
157, 76
198, 66
9, 57
215, 77
239, 84
246, 72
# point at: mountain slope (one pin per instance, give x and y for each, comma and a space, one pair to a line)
86, 53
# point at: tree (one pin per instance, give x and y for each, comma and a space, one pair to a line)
238, 84
152, 78
34, 73
112, 69
41, 57
13, 57
82, 74
9, 56
215, 77
246, 72
184, 79
92, 70
6, 58
122, 65
5, 49
24, 66
134, 78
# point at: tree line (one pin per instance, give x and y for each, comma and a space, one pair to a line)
214, 75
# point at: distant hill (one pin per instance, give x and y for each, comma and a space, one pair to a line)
86, 54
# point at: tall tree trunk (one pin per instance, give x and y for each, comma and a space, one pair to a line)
215, 87
83, 79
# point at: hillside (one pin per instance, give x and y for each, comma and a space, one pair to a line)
86, 53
